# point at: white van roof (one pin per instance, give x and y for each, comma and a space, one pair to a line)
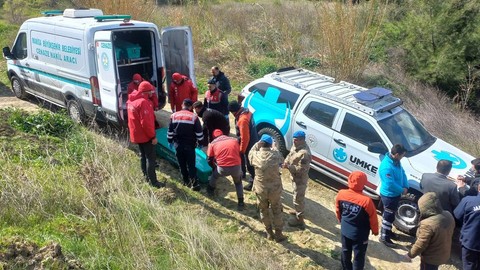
86, 18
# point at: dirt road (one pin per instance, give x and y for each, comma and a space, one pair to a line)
318, 246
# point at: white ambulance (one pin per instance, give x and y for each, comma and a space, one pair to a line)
83, 60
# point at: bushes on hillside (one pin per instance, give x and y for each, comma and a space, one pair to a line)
441, 40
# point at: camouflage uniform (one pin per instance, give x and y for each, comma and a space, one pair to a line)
268, 185
298, 162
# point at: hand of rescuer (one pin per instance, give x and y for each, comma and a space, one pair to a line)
154, 141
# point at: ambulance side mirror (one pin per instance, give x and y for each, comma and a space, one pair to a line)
377, 147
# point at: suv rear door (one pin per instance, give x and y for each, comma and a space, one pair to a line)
317, 119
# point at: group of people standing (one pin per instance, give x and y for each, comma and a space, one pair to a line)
444, 201
236, 155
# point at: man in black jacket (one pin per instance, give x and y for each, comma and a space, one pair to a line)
184, 131
212, 119
222, 82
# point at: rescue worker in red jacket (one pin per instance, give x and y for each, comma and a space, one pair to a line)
247, 137
184, 133
216, 99
181, 88
357, 215
133, 86
142, 129
224, 158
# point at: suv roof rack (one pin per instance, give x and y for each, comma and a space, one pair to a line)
370, 101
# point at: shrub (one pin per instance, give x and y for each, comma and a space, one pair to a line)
42, 123
260, 68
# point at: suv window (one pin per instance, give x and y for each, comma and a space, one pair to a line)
321, 113
285, 96
20, 47
359, 130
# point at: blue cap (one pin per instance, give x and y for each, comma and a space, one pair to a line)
266, 138
299, 134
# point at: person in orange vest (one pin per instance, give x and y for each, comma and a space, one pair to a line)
181, 88
357, 215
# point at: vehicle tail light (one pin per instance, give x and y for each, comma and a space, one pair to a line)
95, 91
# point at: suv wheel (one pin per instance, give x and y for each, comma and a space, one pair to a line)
17, 88
408, 214
279, 141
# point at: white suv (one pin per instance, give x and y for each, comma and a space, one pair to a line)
348, 128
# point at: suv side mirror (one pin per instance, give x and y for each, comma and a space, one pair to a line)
7, 53
377, 147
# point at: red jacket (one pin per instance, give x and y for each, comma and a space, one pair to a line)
225, 151
154, 98
141, 118
179, 92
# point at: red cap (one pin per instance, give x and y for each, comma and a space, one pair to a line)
217, 133
137, 77
177, 76
145, 87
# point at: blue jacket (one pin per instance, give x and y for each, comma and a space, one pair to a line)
468, 212
392, 177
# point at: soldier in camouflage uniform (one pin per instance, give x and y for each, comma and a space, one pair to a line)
298, 163
268, 185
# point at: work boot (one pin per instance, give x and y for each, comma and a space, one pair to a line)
385, 238
210, 191
195, 186
279, 237
387, 242
248, 187
270, 234
298, 222
186, 182
392, 235
158, 184
240, 205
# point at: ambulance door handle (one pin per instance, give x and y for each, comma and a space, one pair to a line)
302, 124
340, 142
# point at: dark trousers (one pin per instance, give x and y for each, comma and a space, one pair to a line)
390, 206
246, 166
470, 259
186, 161
147, 161
359, 249
427, 266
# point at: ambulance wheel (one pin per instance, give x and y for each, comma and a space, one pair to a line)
277, 137
75, 111
407, 216
17, 88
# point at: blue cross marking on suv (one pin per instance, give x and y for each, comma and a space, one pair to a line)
457, 162
339, 154
279, 113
